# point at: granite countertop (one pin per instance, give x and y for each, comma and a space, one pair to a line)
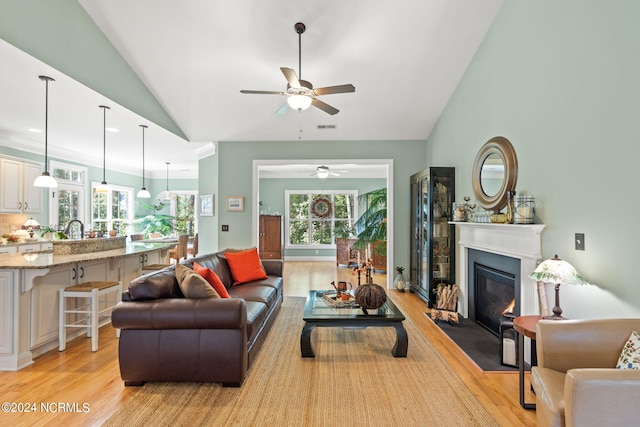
49, 259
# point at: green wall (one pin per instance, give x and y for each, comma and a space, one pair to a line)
233, 163
560, 81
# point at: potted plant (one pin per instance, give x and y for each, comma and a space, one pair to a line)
156, 223
373, 221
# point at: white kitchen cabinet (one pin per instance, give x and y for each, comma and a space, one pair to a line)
132, 266
12, 249
17, 193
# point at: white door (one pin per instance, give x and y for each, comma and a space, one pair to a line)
67, 203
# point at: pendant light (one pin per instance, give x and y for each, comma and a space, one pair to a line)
104, 187
143, 193
166, 195
46, 180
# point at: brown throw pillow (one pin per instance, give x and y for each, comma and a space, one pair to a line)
193, 285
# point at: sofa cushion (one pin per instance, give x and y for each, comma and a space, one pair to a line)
213, 279
255, 292
216, 262
194, 285
630, 356
155, 285
256, 317
245, 266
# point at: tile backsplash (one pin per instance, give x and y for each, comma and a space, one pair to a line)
11, 222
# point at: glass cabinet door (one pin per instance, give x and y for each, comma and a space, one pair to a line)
432, 237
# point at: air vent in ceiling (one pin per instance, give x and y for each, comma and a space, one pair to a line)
326, 126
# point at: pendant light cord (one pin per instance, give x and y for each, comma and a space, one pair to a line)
104, 142
167, 176
143, 127
46, 125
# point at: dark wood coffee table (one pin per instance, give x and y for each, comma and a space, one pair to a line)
318, 313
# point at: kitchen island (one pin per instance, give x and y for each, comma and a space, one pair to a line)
30, 284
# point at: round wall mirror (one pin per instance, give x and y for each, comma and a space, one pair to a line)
495, 172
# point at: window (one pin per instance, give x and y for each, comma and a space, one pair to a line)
112, 210
312, 218
183, 207
68, 201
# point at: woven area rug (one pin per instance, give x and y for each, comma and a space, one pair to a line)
353, 380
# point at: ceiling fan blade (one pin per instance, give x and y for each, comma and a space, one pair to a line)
324, 106
291, 77
335, 89
283, 110
262, 92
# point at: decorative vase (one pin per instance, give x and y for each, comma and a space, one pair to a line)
370, 296
399, 283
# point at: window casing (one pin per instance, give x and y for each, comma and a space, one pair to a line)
68, 200
312, 216
112, 210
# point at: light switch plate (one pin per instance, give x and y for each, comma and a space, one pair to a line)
579, 241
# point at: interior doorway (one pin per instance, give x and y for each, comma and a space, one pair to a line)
304, 168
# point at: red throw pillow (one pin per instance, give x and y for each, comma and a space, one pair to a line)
245, 266
213, 279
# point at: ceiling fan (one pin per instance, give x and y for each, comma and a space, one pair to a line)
300, 93
325, 172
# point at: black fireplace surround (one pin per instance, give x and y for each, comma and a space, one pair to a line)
494, 283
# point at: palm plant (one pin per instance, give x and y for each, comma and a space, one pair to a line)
372, 224
156, 223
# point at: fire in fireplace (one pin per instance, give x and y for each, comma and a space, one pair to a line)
494, 288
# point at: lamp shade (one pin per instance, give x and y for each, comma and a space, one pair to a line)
556, 270
45, 180
166, 195
299, 102
143, 193
30, 223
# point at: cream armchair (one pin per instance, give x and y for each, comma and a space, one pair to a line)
576, 383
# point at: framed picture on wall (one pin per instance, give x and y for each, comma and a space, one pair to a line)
235, 203
206, 205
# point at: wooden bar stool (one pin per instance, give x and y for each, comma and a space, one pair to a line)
92, 291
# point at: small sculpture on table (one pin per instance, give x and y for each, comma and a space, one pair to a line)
369, 295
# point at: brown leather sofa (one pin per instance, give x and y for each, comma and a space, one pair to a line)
576, 383
167, 337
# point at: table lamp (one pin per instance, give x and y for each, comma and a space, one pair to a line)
556, 270
30, 225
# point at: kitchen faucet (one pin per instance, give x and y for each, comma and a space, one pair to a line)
68, 227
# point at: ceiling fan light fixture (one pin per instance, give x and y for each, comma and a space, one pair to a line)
323, 175
299, 102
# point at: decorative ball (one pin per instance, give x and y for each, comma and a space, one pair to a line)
370, 296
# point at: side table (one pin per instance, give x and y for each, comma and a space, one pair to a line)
525, 326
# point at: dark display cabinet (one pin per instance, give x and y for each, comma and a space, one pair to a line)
432, 237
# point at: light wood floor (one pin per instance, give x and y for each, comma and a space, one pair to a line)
78, 376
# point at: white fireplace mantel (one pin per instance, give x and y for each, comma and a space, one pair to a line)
521, 241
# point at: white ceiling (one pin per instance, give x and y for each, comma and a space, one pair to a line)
404, 58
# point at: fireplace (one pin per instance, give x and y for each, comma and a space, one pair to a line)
494, 288
517, 241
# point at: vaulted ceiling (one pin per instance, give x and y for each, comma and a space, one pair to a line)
405, 59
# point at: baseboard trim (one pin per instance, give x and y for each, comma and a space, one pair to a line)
310, 258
